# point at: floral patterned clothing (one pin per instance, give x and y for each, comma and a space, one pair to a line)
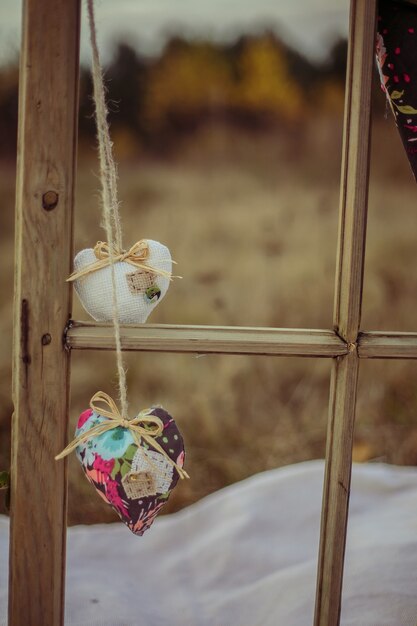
396, 54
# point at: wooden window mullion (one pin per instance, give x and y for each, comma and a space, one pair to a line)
347, 312
47, 142
48, 111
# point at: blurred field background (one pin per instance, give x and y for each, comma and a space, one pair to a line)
230, 155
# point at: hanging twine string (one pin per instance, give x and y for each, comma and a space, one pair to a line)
136, 256
110, 203
144, 427
108, 170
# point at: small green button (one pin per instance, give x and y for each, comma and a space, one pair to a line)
153, 293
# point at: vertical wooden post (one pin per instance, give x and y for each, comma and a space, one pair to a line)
347, 313
48, 103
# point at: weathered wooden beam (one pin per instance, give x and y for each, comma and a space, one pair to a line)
336, 489
208, 339
347, 311
355, 170
240, 340
383, 345
48, 103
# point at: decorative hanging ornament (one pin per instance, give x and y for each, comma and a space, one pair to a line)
396, 54
134, 464
142, 276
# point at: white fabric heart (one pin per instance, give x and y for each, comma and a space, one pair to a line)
138, 292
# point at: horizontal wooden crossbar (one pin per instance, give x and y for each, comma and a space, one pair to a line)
383, 345
239, 340
208, 339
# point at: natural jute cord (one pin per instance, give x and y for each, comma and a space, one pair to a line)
144, 426
110, 202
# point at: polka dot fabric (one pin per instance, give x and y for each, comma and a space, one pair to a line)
396, 53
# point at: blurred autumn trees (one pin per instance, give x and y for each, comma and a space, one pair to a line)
256, 82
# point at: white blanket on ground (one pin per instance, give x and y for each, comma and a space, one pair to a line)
247, 556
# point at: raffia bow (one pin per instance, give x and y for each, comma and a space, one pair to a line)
136, 256
144, 427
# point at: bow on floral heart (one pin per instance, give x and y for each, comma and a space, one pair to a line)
144, 427
136, 256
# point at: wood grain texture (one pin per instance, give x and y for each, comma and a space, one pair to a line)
336, 489
347, 311
240, 340
355, 170
384, 345
208, 339
48, 99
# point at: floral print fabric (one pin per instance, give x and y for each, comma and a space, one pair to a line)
136, 482
396, 53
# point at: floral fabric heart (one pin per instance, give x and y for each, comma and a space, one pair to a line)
138, 292
135, 480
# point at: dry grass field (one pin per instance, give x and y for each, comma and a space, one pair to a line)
251, 220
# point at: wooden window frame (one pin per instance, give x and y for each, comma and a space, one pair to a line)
43, 337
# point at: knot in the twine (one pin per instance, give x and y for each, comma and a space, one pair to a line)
144, 427
137, 256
